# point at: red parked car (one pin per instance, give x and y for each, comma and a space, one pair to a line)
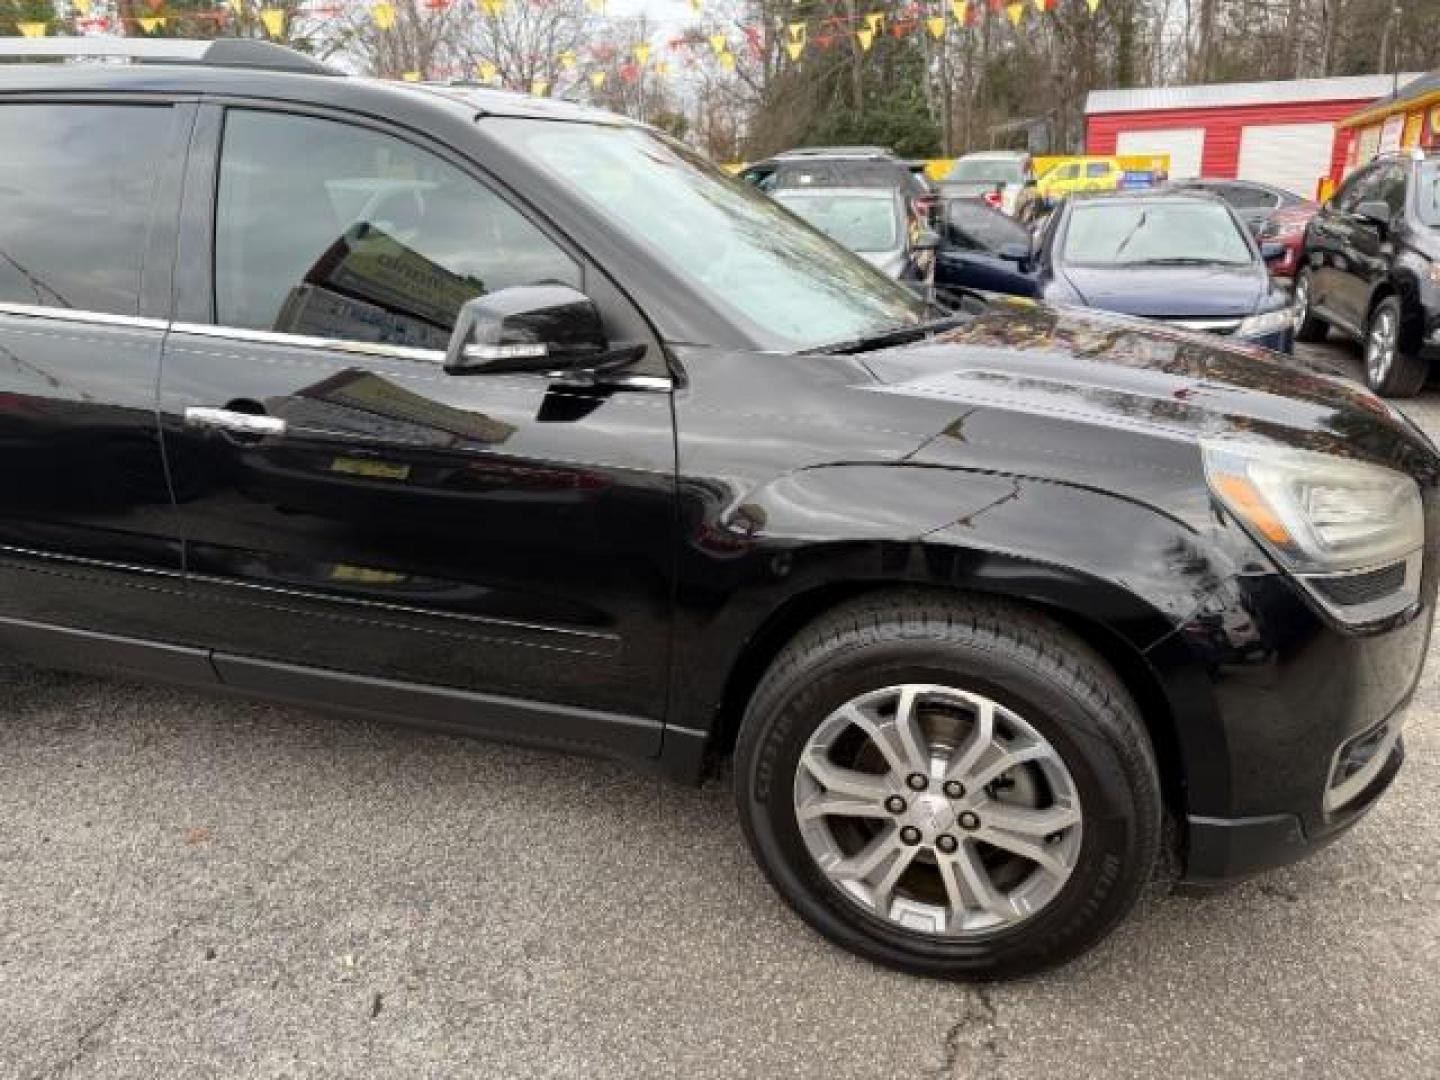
1287, 226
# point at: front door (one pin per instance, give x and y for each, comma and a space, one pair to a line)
88, 541
350, 508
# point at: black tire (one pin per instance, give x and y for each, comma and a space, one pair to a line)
1404, 374
1308, 326
1018, 659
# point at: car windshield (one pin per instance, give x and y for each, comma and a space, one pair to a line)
792, 286
1130, 234
985, 171
1427, 193
860, 222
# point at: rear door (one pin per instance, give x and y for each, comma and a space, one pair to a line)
88, 198
351, 512
1330, 250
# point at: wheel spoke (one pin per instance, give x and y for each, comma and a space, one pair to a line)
1032, 848
838, 780
883, 735
1008, 759
826, 804
883, 845
913, 744
1028, 821
884, 890
954, 893
980, 892
981, 737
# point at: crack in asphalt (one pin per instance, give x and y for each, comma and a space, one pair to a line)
971, 1049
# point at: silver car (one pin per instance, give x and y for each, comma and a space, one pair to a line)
875, 223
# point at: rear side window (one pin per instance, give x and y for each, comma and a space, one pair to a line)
326, 229
1097, 169
76, 188
1244, 197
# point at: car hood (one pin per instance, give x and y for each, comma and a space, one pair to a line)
1171, 292
1076, 395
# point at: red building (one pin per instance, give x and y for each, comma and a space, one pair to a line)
1280, 133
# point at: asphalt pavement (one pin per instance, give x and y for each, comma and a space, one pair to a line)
194, 887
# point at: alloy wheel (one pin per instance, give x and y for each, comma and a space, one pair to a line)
1380, 345
938, 810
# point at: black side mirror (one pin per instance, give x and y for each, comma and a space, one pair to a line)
1375, 211
1017, 253
527, 328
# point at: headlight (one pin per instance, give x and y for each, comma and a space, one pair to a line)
1269, 322
1316, 512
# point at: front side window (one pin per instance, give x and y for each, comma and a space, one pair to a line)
1357, 189
791, 286
1154, 233
1244, 197
1391, 187
76, 189
1097, 170
329, 230
1427, 193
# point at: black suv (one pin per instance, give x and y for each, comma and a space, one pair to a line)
509, 417
1370, 267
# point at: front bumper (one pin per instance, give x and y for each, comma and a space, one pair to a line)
1301, 732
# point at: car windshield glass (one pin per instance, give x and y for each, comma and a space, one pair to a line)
860, 222
1128, 234
794, 288
1427, 193
985, 171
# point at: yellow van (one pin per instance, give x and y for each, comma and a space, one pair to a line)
1074, 174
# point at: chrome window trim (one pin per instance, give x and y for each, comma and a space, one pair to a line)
76, 315
306, 341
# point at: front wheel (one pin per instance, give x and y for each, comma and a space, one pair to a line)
950, 786
1390, 369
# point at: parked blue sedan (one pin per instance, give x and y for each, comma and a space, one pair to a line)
1180, 258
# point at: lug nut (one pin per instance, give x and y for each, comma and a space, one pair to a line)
954, 789
917, 781
968, 821
947, 844
895, 804
910, 835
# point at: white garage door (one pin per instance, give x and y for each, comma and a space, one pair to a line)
1291, 156
1184, 145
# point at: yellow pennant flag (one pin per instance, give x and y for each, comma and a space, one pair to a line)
492, 7
487, 71
540, 87
151, 23
1016, 11
597, 79
597, 6
961, 10
662, 68
866, 39
237, 6
727, 60
936, 25
384, 16
642, 53
794, 48
697, 5
35, 29
567, 60
82, 6
1092, 5
274, 21
718, 43
796, 31
874, 21
411, 76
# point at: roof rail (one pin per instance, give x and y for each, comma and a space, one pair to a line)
221, 52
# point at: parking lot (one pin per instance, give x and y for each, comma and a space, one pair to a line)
198, 887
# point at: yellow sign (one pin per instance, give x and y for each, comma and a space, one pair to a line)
274, 20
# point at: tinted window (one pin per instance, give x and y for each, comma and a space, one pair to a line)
1390, 188
1355, 190
973, 226
1427, 192
76, 183
1097, 168
336, 231
1245, 197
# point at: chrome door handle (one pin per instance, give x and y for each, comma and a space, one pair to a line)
238, 422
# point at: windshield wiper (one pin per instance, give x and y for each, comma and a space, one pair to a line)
1179, 260
897, 335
